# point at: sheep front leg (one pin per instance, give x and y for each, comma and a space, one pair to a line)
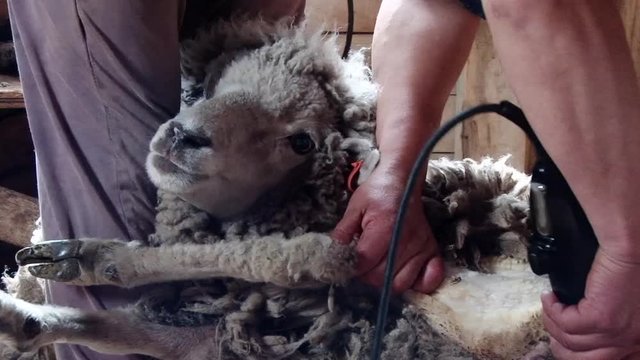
311, 259
27, 327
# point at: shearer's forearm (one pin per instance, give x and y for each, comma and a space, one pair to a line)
570, 66
419, 49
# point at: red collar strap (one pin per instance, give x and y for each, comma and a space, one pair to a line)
352, 180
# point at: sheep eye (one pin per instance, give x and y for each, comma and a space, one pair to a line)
301, 143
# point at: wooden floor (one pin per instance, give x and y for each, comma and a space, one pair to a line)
10, 93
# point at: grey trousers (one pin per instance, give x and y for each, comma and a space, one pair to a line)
99, 76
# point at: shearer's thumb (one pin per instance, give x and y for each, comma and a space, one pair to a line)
349, 228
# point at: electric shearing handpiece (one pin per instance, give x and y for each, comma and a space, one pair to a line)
562, 244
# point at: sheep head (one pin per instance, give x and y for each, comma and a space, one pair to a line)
267, 113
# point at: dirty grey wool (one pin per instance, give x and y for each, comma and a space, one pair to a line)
263, 321
465, 201
475, 209
24, 286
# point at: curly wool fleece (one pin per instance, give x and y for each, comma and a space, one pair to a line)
263, 321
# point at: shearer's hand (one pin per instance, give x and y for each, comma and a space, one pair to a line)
371, 214
605, 325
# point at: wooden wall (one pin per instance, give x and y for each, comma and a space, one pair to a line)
630, 11
481, 81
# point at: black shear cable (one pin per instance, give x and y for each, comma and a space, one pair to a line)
349, 35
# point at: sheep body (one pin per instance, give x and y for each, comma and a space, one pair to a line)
284, 297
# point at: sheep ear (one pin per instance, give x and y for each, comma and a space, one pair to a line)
209, 85
213, 73
348, 84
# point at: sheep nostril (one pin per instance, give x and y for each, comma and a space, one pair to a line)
195, 141
178, 135
172, 128
188, 139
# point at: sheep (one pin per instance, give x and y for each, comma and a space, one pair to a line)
252, 176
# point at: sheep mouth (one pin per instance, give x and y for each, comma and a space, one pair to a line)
165, 166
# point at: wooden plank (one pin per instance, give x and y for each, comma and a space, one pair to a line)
440, 155
482, 81
488, 135
4, 10
18, 214
447, 144
630, 13
331, 15
10, 93
458, 150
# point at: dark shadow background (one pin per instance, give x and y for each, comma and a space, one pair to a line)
17, 159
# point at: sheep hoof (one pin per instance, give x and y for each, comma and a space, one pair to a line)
52, 260
65, 271
48, 252
78, 261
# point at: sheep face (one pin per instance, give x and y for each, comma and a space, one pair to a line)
259, 128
